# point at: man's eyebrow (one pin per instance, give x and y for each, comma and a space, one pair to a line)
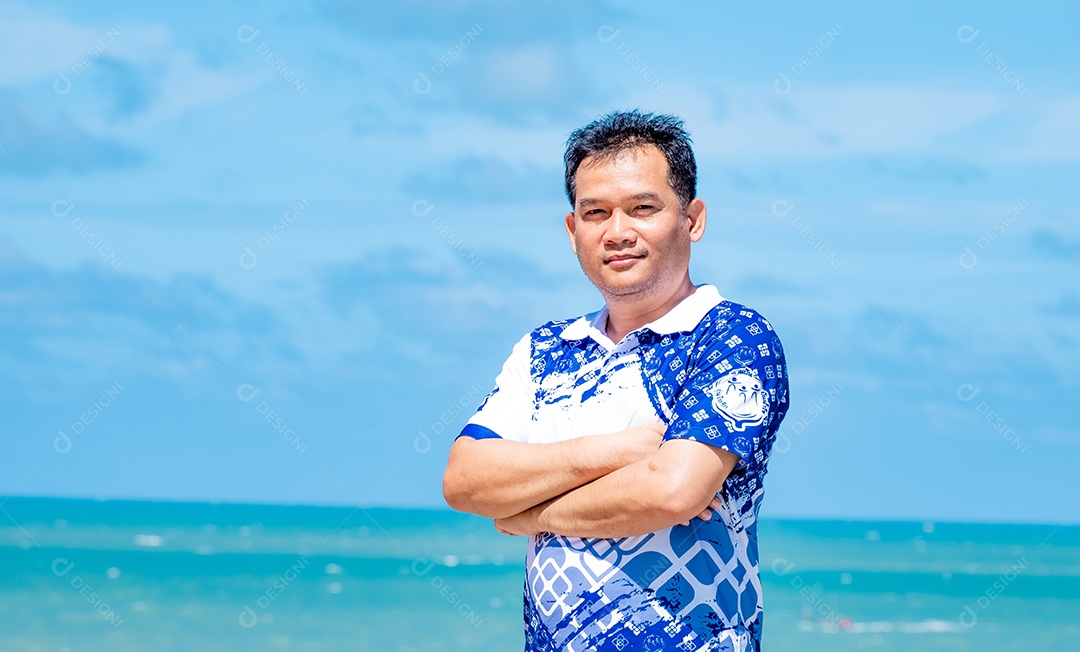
641, 196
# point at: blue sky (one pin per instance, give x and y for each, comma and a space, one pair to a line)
278, 252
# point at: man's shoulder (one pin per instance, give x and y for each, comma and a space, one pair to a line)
574, 328
727, 316
553, 328
735, 330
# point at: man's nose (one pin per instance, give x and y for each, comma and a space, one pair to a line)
620, 228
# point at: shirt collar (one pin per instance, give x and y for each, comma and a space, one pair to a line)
683, 317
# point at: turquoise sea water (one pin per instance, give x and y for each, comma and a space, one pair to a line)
117, 575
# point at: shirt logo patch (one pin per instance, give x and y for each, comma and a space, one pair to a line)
739, 398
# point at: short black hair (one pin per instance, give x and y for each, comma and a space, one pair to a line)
619, 131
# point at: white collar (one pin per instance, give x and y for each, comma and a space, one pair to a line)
683, 317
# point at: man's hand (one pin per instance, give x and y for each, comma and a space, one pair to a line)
518, 525
714, 505
636, 443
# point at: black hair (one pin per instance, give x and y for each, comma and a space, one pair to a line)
619, 131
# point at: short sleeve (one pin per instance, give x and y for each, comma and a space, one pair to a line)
736, 392
507, 411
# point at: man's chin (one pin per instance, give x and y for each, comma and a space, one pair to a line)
623, 286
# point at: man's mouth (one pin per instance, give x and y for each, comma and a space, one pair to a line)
622, 257
622, 262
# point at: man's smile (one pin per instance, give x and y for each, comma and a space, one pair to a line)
623, 261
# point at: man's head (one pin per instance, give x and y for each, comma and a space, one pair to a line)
620, 131
631, 180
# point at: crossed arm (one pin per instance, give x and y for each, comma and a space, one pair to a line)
613, 485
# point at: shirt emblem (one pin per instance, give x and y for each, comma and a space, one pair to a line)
740, 399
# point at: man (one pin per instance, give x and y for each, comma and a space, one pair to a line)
630, 444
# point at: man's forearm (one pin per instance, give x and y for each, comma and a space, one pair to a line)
498, 478
627, 502
674, 486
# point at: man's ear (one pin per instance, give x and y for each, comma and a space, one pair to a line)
696, 215
570, 227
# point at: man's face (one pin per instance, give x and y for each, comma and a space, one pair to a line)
628, 228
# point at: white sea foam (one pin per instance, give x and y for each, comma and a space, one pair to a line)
149, 540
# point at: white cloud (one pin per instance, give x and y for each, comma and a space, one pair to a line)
33, 46
449, 136
528, 73
742, 123
1055, 133
186, 85
822, 122
813, 122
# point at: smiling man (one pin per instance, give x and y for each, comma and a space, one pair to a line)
631, 444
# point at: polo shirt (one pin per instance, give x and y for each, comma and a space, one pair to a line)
713, 371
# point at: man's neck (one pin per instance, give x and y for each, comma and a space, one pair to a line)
629, 315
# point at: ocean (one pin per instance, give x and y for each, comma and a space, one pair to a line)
82, 575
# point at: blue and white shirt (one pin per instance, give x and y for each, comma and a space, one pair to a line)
713, 371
